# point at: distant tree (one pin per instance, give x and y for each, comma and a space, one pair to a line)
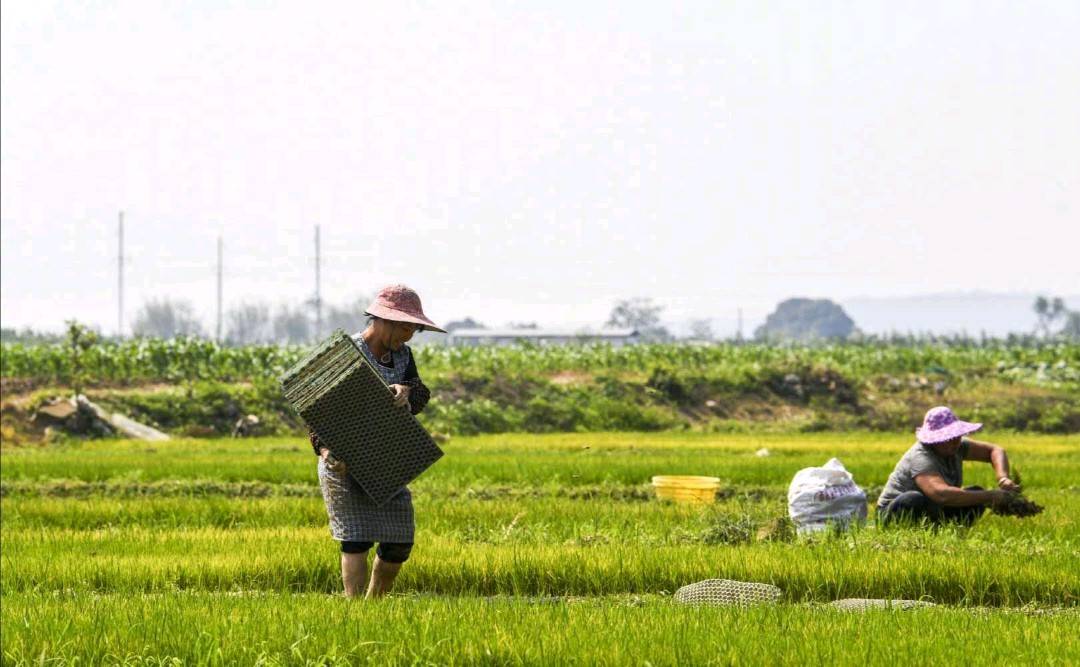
640, 314
1072, 326
291, 325
467, 323
702, 330
351, 318
1048, 311
165, 318
28, 336
248, 323
806, 320
80, 339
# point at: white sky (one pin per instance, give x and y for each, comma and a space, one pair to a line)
517, 162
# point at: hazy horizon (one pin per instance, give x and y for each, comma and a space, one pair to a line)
537, 164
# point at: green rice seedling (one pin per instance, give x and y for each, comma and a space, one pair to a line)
219, 551
253, 628
1017, 505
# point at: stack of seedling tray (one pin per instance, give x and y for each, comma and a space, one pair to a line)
346, 403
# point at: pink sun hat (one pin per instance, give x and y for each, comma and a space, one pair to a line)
941, 425
400, 304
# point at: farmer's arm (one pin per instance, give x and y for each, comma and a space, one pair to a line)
419, 394
996, 457
322, 452
941, 492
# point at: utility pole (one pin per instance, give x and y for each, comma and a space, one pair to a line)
120, 279
738, 333
318, 288
219, 281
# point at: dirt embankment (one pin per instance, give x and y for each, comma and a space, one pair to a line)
577, 401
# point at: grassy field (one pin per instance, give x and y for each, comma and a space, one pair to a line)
531, 549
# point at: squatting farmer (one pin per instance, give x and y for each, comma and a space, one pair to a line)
927, 483
355, 521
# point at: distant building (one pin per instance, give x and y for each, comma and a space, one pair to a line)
475, 337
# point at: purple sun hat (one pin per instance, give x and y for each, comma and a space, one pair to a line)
941, 425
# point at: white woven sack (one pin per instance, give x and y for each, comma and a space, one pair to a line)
824, 496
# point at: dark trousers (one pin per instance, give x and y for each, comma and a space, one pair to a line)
391, 552
914, 507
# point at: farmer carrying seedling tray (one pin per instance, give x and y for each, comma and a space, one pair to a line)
358, 396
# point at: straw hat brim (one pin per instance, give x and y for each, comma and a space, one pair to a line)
954, 430
385, 313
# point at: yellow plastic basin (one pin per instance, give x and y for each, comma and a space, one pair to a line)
686, 488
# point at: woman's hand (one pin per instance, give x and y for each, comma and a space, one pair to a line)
401, 394
1000, 497
1006, 484
332, 464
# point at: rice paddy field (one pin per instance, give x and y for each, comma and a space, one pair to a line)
531, 549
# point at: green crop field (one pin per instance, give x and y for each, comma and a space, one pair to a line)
530, 549
1038, 362
197, 388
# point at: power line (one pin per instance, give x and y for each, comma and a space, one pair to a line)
120, 279
318, 288
219, 285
